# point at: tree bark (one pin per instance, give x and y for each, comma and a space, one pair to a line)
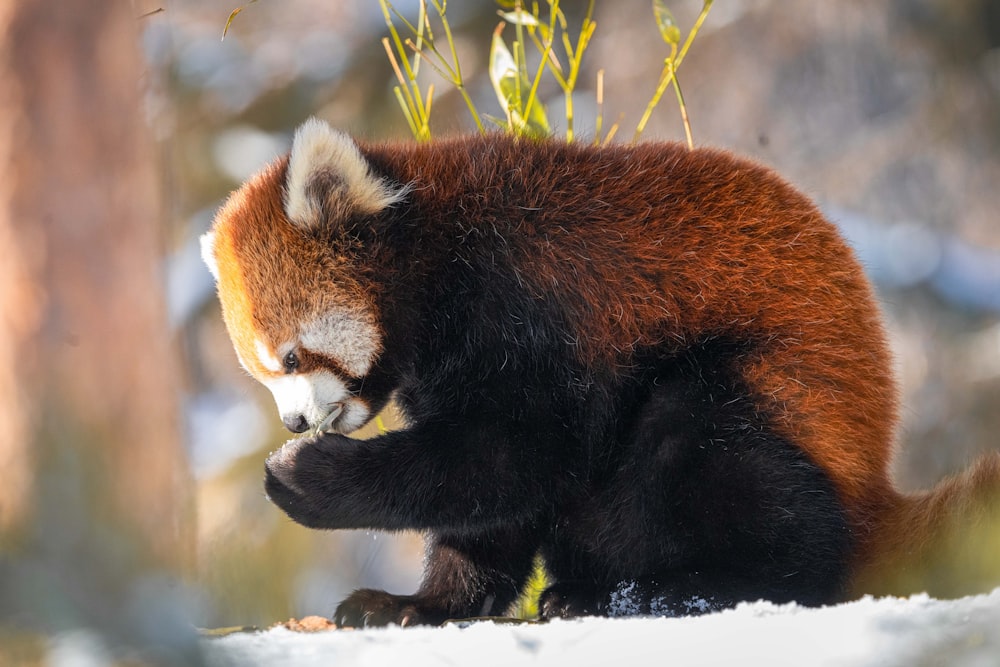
90, 425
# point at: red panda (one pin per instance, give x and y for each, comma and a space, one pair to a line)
660, 370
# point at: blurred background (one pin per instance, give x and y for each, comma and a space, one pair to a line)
888, 114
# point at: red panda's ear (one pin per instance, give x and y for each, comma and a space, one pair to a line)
208, 254
329, 179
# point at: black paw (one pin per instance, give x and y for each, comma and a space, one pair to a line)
296, 480
367, 608
569, 600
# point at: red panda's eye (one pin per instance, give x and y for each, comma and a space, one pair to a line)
290, 362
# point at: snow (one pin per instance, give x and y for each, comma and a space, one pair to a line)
881, 632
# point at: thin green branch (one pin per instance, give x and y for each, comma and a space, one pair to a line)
415, 106
669, 76
599, 120
407, 112
404, 94
684, 112
694, 31
665, 78
519, 96
546, 52
454, 78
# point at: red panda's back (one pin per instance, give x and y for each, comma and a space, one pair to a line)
658, 247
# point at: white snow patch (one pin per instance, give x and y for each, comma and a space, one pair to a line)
699, 604
882, 632
622, 603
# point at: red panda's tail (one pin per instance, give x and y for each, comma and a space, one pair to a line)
945, 542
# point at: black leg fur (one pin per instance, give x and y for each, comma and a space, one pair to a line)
467, 575
706, 507
669, 494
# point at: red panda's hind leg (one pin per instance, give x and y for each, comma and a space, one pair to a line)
466, 576
705, 506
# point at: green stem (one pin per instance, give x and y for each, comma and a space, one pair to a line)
520, 65
684, 113
458, 81
669, 75
665, 78
406, 112
408, 83
545, 56
694, 31
599, 121
472, 108
586, 32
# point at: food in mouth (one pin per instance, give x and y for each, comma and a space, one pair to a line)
326, 425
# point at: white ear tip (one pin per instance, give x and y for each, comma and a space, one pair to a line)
207, 242
319, 152
311, 129
312, 138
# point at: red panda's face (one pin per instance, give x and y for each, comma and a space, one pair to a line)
299, 321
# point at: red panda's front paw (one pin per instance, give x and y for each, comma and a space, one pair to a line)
296, 480
280, 481
280, 465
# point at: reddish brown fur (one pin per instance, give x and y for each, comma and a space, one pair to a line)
826, 370
835, 394
258, 303
943, 541
748, 270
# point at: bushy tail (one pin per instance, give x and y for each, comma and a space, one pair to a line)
945, 542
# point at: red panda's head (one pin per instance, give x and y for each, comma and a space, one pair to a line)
299, 320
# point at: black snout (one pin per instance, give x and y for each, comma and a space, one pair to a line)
296, 423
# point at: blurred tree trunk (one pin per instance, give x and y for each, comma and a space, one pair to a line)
95, 485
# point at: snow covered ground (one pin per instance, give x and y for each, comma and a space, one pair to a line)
885, 632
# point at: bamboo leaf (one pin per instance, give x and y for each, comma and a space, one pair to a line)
537, 123
669, 30
232, 15
499, 122
503, 72
520, 17
508, 82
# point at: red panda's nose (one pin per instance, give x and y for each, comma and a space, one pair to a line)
296, 423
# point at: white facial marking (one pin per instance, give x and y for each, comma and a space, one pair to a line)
355, 415
315, 396
312, 395
207, 242
266, 357
353, 341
